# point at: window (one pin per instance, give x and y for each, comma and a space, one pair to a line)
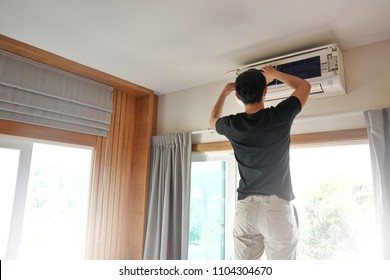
334, 199
9, 161
211, 204
47, 190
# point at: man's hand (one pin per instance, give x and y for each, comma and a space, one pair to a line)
228, 89
216, 113
269, 73
301, 87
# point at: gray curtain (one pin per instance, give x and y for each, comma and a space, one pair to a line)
169, 195
378, 127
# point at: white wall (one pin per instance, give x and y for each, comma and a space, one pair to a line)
367, 71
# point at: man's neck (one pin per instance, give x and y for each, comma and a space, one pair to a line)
255, 107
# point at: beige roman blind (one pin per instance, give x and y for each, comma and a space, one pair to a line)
35, 93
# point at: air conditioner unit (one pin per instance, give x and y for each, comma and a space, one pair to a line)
322, 67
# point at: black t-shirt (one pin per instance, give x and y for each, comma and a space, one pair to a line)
261, 143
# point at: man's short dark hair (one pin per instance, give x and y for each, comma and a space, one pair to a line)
250, 86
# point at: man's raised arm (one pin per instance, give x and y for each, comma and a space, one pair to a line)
216, 112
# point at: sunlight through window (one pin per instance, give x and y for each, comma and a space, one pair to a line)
334, 198
44, 199
9, 161
57, 202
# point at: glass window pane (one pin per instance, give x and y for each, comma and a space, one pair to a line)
207, 212
334, 198
9, 162
57, 203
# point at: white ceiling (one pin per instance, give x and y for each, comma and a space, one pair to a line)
170, 45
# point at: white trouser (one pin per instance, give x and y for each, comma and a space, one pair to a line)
265, 223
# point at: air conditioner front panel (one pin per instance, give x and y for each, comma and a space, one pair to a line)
281, 92
320, 88
324, 53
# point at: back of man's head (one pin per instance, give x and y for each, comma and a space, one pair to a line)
250, 86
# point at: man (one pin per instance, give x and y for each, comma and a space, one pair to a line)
260, 138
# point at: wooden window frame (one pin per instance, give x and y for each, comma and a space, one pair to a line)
327, 137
